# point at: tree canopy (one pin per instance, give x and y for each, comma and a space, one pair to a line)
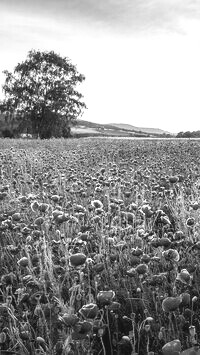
41, 94
188, 134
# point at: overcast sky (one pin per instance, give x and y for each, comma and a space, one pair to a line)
141, 58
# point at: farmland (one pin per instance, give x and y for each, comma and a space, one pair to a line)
100, 246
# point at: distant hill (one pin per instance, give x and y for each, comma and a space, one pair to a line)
83, 127
141, 129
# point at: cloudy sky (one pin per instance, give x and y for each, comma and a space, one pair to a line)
141, 58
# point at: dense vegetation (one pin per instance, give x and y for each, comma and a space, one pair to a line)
99, 243
41, 96
188, 134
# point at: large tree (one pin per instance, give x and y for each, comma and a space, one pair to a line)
41, 94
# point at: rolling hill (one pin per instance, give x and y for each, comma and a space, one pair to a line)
83, 127
140, 129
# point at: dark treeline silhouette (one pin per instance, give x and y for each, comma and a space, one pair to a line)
188, 134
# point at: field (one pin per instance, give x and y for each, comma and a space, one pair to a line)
100, 247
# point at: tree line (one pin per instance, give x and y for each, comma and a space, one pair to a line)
188, 134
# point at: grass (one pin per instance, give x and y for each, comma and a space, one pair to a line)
99, 243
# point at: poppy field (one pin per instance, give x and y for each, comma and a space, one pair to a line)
99, 247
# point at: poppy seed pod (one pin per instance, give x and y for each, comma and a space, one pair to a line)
192, 330
83, 327
34, 206
141, 269
187, 313
149, 319
105, 297
131, 272
130, 217
8, 279
3, 337
147, 327
146, 258
62, 218
39, 221
173, 179
126, 338
56, 213
99, 267
43, 207
185, 299
197, 245
194, 299
127, 193
146, 208
137, 251
171, 254
155, 242
192, 351
178, 235
97, 204
164, 242
170, 304
195, 206
16, 217
172, 347
55, 198
183, 276
190, 222
25, 334
180, 178
23, 262
40, 340
77, 259
100, 332
69, 319
89, 311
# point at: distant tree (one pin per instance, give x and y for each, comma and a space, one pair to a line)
179, 135
7, 133
41, 94
188, 134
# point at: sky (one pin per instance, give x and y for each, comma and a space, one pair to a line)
141, 58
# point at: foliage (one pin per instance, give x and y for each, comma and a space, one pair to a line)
188, 134
41, 94
6, 133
